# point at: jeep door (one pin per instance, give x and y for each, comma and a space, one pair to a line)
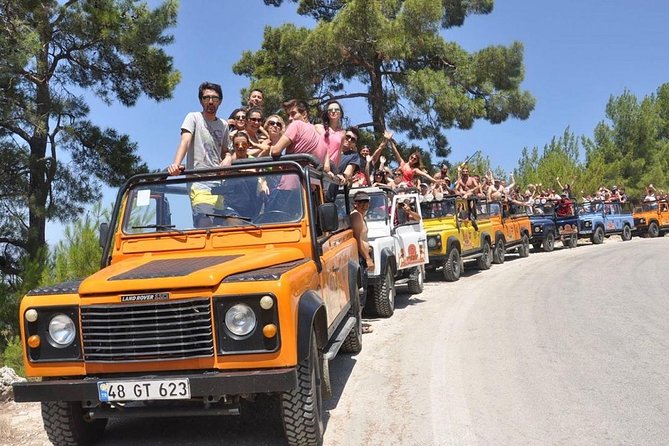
408, 232
664, 214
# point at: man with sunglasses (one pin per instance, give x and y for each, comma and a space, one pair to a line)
205, 143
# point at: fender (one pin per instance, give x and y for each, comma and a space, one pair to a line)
310, 313
485, 236
453, 242
499, 235
387, 261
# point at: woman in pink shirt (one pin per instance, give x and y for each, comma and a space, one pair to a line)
331, 129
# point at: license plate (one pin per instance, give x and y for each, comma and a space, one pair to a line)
146, 389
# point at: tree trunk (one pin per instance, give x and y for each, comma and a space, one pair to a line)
376, 99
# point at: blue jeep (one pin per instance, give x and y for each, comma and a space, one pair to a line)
598, 219
549, 225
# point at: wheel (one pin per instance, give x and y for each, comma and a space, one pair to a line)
416, 283
302, 407
66, 424
382, 302
353, 341
485, 261
627, 233
453, 265
549, 242
499, 254
536, 246
524, 248
653, 230
598, 236
273, 217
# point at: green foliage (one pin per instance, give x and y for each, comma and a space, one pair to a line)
415, 81
12, 355
49, 50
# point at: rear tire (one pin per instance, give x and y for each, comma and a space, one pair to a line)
382, 302
66, 425
524, 248
302, 407
549, 242
453, 266
499, 254
626, 234
653, 230
416, 283
485, 261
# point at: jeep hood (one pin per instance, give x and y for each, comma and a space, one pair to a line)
169, 272
540, 220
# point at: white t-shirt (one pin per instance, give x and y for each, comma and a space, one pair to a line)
210, 140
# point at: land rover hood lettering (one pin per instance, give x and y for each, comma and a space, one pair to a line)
172, 267
147, 297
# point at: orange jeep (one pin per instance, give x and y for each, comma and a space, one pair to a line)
511, 229
193, 315
651, 219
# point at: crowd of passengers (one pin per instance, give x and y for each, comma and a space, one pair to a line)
250, 132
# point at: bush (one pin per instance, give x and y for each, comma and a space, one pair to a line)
13, 355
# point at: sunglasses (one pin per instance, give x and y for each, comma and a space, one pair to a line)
276, 123
211, 98
255, 119
240, 117
334, 110
351, 138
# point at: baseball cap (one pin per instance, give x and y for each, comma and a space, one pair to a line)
361, 196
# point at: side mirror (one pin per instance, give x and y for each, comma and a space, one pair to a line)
327, 217
104, 233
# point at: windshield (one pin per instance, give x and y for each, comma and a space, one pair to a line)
239, 199
434, 209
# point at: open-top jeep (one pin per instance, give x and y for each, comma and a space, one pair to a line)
548, 225
399, 247
511, 229
599, 219
651, 218
192, 316
455, 233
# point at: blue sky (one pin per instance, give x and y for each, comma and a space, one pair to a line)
577, 54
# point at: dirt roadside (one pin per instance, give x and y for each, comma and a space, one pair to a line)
21, 425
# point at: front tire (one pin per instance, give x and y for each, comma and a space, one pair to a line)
499, 254
598, 236
66, 425
382, 302
416, 283
453, 266
485, 261
653, 230
549, 242
302, 407
626, 234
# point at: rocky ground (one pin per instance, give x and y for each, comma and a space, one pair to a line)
20, 423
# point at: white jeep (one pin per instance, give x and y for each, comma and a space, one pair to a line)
399, 245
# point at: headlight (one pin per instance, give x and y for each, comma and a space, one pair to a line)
61, 331
588, 224
433, 242
537, 229
240, 320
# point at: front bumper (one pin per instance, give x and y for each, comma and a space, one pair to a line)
201, 385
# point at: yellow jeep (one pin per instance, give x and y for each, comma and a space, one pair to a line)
193, 315
457, 230
651, 219
511, 229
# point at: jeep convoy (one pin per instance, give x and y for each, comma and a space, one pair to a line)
192, 319
195, 314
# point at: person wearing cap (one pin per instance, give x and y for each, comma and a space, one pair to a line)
359, 226
565, 207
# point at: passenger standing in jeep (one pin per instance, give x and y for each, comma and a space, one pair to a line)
205, 142
359, 226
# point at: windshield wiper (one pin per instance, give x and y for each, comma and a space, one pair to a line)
160, 227
238, 217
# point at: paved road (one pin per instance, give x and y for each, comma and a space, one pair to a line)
569, 347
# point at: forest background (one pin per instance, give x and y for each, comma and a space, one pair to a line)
94, 91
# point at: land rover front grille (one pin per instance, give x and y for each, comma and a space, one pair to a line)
155, 331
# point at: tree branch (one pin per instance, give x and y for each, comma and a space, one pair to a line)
18, 243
